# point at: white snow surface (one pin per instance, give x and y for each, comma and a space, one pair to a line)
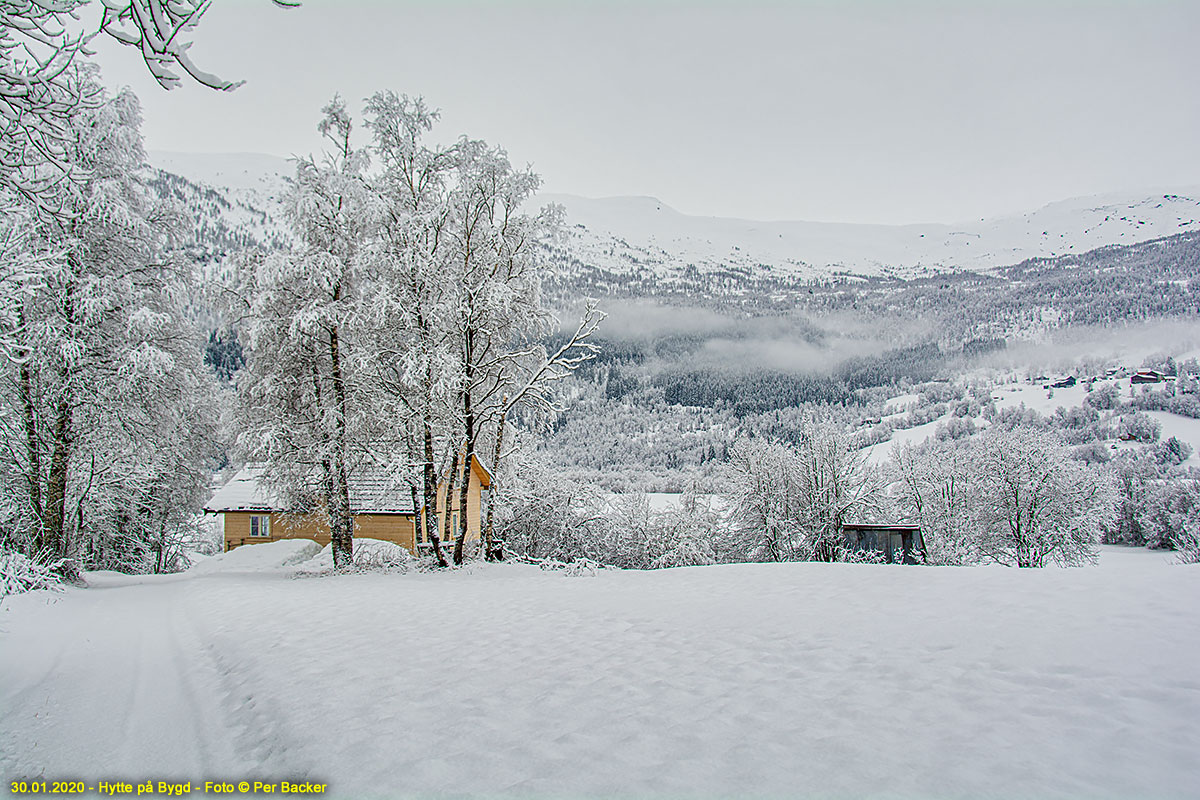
830, 680
259, 556
626, 233
1046, 402
881, 452
257, 173
617, 232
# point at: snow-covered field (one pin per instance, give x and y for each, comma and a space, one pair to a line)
745, 680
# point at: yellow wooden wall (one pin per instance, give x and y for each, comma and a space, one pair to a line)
474, 503
396, 528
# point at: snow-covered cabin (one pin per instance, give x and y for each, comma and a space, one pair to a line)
383, 507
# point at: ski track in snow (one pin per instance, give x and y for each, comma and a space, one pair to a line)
740, 680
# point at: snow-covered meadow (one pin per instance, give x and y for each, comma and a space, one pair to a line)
795, 679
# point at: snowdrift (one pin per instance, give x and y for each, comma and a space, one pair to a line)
258, 557
368, 554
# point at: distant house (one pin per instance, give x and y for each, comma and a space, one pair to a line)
1147, 376
897, 543
382, 508
1065, 383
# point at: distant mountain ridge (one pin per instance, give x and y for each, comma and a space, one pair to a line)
626, 237
623, 233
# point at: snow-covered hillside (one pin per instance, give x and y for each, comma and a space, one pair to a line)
630, 234
745, 680
259, 177
625, 233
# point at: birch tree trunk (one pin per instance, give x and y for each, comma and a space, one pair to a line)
464, 490
341, 523
490, 552
431, 496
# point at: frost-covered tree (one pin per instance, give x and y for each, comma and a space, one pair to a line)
526, 382
1140, 427
42, 89
106, 368
414, 361
458, 307
43, 46
1169, 515
304, 410
932, 488
498, 317
159, 30
1132, 473
766, 507
789, 503
1035, 503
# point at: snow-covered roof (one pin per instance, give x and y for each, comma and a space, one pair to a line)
243, 493
372, 491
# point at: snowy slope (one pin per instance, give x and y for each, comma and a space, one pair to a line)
235, 199
628, 234
621, 233
257, 175
1034, 396
749, 680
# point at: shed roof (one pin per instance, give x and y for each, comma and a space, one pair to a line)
875, 526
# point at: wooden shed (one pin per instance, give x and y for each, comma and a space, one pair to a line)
898, 543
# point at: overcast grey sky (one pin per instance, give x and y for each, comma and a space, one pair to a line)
843, 111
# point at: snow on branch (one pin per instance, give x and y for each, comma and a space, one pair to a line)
159, 29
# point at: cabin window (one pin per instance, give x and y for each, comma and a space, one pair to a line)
260, 526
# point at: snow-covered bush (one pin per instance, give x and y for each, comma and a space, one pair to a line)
1133, 472
1140, 427
789, 503
1013, 496
1172, 452
1094, 452
579, 567
1187, 405
1018, 416
967, 408
1105, 398
545, 515
956, 428
20, 574
1169, 515
1034, 503
1187, 546
684, 536
370, 555
938, 392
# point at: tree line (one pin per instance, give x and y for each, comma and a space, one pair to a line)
106, 433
